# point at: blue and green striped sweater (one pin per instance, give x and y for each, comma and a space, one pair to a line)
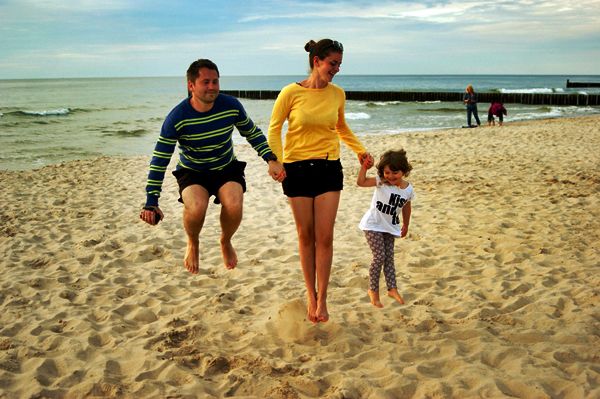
205, 140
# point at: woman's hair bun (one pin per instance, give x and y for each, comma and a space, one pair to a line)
309, 46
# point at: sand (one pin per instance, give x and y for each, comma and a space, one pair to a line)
500, 273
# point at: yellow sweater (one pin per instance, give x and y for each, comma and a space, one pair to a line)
316, 123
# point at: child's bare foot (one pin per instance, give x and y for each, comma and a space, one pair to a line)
394, 294
322, 314
229, 256
375, 301
191, 260
311, 312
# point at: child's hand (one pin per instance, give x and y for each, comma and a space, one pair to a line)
403, 231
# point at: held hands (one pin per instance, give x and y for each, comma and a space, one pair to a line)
276, 171
366, 160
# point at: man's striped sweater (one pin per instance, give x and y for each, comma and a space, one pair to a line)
205, 140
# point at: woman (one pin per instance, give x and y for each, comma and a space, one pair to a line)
470, 100
313, 179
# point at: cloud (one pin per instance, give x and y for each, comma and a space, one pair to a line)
75, 7
154, 37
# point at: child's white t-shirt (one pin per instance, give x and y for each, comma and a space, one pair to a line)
385, 213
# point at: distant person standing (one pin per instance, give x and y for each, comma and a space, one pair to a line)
496, 109
470, 100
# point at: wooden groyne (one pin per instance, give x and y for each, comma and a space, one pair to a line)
412, 96
582, 84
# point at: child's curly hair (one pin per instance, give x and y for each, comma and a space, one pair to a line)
396, 160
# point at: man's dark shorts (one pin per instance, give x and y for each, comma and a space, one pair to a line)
211, 180
312, 178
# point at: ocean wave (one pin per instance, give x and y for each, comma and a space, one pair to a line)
380, 103
48, 112
442, 110
357, 115
51, 112
125, 133
541, 90
395, 102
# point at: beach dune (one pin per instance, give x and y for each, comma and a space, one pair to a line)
500, 274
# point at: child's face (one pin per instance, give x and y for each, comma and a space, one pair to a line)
392, 176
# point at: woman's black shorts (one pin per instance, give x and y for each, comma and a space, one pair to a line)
211, 180
312, 177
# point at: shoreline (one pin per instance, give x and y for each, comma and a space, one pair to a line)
363, 136
499, 274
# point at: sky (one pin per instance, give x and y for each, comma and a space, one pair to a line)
114, 38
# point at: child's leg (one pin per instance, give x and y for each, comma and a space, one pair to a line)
375, 241
389, 269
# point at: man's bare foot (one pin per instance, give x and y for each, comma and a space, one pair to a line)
374, 296
322, 314
229, 256
394, 294
311, 312
191, 260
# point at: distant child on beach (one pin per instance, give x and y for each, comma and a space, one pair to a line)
496, 109
381, 223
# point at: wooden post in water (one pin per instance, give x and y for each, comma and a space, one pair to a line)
420, 96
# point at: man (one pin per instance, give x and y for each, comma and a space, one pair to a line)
203, 124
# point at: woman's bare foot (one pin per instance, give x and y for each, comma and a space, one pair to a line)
311, 312
322, 314
394, 294
229, 256
374, 296
191, 260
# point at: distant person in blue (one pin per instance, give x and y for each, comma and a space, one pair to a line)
496, 109
470, 100
203, 124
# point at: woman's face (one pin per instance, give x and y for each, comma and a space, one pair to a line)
328, 67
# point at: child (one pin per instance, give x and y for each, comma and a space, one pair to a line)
381, 223
497, 109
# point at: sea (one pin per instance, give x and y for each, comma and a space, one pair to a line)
49, 121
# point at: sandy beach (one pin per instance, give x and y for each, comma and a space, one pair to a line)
500, 273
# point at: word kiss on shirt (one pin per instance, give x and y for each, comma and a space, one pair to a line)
394, 203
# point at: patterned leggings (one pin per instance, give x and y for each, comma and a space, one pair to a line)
382, 247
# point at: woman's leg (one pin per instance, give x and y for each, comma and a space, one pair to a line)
303, 211
476, 115
325, 211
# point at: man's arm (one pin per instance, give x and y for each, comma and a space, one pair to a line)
161, 157
258, 141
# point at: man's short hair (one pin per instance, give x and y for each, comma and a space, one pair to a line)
194, 70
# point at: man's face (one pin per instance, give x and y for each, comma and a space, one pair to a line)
206, 86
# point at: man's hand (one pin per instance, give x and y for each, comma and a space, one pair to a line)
151, 215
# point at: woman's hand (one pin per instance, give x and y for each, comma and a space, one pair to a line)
366, 160
276, 171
